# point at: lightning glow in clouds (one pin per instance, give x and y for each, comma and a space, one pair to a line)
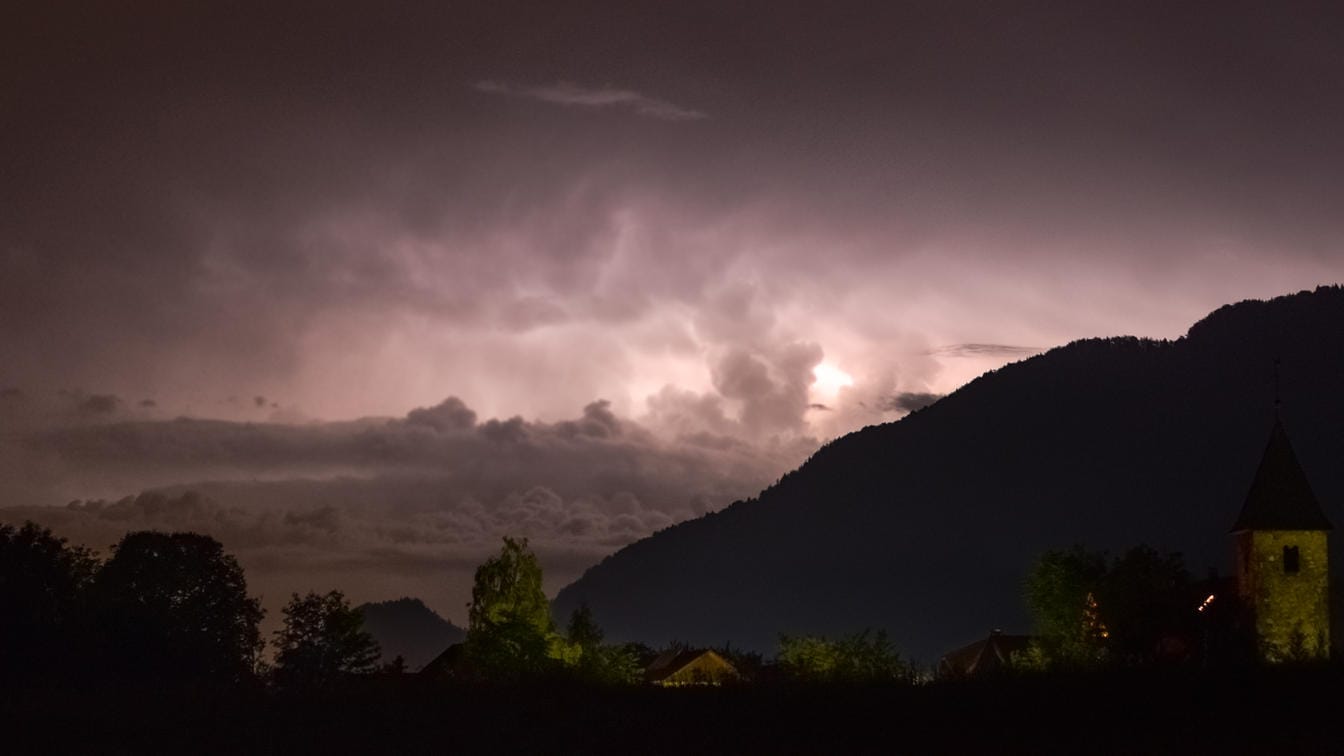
637, 262
829, 379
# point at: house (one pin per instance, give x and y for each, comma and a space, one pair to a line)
982, 658
1282, 557
686, 666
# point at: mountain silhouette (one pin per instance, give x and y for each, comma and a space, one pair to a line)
409, 629
927, 526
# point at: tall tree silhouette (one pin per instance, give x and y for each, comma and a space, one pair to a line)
596, 662
41, 582
1147, 596
322, 641
582, 630
176, 606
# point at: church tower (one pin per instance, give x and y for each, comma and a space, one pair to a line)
1282, 566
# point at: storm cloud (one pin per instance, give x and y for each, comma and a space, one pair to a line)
332, 209
629, 239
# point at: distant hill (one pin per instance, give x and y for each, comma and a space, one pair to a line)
926, 526
408, 628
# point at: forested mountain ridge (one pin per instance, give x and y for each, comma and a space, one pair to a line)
409, 629
927, 525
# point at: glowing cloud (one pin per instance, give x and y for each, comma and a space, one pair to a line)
829, 379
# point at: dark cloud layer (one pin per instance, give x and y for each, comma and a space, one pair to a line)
354, 503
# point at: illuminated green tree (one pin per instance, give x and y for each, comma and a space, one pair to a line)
808, 657
859, 658
507, 591
510, 634
1060, 591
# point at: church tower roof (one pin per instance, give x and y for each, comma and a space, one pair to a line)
1280, 497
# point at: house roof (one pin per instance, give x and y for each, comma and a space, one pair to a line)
452, 661
671, 662
1280, 497
982, 656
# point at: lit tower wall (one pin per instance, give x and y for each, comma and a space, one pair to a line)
1282, 561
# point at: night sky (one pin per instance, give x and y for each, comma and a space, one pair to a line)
423, 276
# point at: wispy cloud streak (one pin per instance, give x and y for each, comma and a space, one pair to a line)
985, 350
572, 95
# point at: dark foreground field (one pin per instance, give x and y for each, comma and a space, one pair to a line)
1276, 711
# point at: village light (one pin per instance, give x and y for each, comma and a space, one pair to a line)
1092, 617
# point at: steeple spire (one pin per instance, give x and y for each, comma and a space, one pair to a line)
1280, 497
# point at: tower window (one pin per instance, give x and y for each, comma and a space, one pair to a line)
1291, 561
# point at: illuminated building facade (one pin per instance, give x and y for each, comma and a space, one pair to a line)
690, 667
1282, 563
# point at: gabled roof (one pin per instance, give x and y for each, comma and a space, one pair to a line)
1280, 497
669, 663
452, 662
984, 656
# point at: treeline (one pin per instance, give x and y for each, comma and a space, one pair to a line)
165, 607
174, 608
1141, 608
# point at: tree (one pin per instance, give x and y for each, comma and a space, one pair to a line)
41, 589
1089, 610
176, 606
859, 658
507, 590
1146, 597
583, 630
509, 632
807, 657
1061, 591
596, 662
611, 665
323, 641
750, 665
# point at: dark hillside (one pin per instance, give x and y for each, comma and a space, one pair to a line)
926, 526
409, 629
